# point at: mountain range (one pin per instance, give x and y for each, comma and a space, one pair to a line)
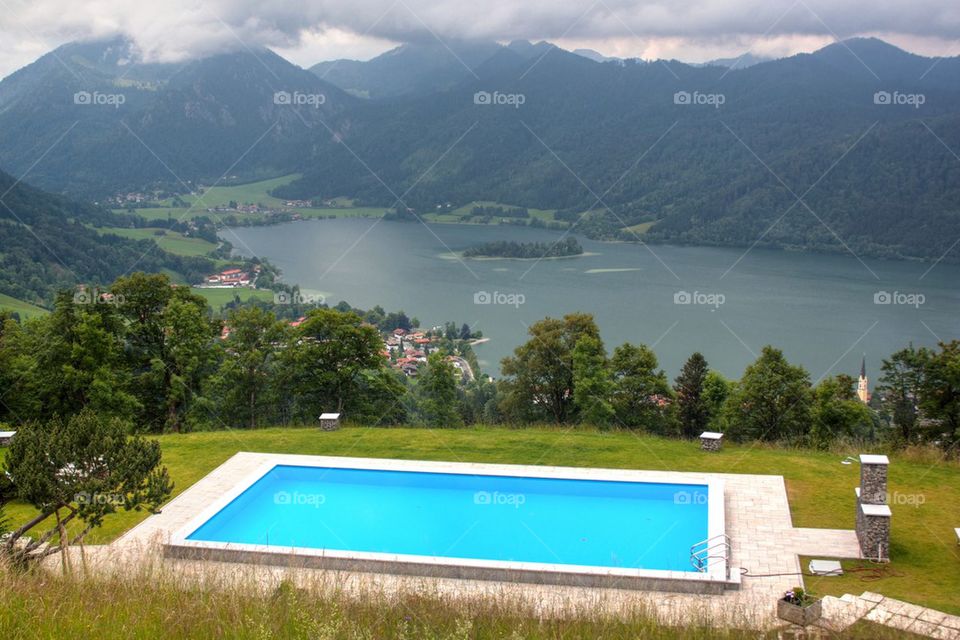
102, 121
852, 147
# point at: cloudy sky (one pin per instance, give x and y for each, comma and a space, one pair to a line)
308, 31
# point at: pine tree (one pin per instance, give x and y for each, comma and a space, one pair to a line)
693, 409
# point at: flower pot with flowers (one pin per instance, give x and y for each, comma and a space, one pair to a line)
799, 607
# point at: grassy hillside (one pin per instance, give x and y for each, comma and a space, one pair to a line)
49, 242
172, 241
639, 229
252, 192
152, 605
25, 309
820, 489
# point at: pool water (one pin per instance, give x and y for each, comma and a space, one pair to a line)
642, 525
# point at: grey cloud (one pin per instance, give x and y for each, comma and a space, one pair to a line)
177, 29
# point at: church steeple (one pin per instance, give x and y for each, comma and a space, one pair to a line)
863, 384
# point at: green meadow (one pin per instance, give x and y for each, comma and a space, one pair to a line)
250, 193
25, 309
171, 241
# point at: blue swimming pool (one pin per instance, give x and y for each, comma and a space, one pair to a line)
630, 525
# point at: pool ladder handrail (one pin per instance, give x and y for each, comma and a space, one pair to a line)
710, 552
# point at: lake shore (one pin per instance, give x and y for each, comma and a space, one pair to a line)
629, 290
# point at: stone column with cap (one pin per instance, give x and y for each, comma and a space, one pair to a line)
873, 513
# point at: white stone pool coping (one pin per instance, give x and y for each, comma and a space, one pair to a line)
714, 580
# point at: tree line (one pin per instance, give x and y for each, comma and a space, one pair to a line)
153, 355
564, 375
525, 250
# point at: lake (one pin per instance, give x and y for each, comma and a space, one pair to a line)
824, 311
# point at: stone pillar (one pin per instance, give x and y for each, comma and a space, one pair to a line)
330, 421
874, 532
873, 479
873, 513
711, 441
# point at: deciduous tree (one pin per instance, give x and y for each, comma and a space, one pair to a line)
592, 382
245, 382
641, 394
940, 391
837, 413
899, 389
436, 389
538, 381
772, 401
328, 360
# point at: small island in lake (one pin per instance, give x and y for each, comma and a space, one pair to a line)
525, 250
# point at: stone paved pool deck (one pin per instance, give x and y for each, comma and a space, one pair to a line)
757, 519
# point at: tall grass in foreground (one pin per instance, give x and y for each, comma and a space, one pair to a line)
160, 604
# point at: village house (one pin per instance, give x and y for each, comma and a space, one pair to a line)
228, 278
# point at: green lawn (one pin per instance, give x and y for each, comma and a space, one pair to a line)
457, 215
25, 309
926, 566
171, 241
216, 298
249, 193
258, 193
160, 213
641, 228
543, 214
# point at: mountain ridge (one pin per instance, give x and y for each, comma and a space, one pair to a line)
555, 129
